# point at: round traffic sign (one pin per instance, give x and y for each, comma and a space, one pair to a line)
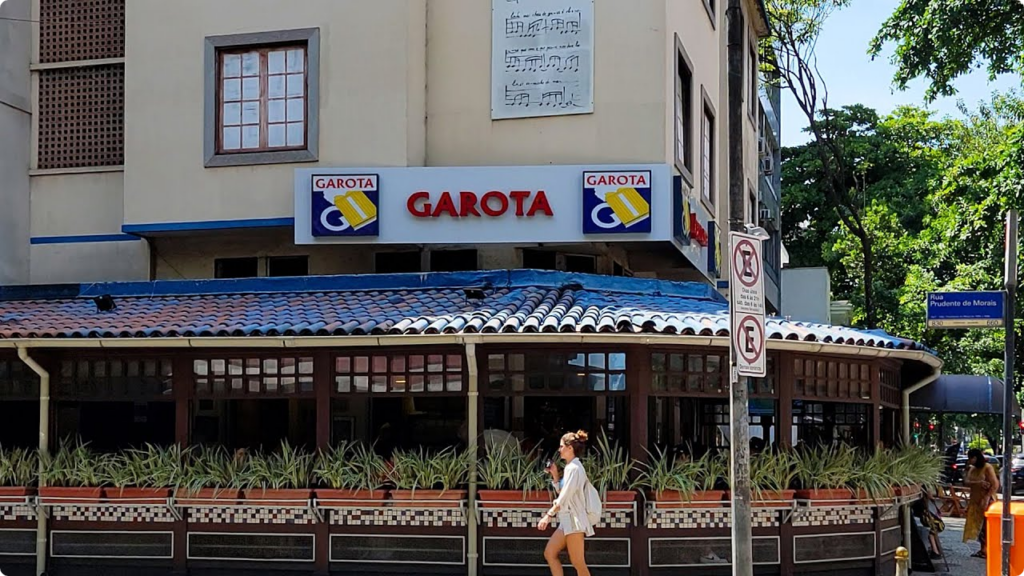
745, 263
749, 339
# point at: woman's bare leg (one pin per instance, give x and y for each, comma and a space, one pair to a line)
555, 546
576, 553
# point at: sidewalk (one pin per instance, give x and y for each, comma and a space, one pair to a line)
958, 554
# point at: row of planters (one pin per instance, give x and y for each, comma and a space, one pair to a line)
353, 474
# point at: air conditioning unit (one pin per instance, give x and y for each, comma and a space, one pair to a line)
767, 165
764, 215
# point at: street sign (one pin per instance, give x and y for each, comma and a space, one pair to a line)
746, 304
966, 309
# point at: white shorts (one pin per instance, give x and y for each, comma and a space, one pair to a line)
566, 524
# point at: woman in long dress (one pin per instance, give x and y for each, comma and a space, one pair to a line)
981, 478
570, 507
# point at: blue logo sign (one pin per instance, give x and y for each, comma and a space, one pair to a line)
966, 309
346, 205
714, 250
617, 202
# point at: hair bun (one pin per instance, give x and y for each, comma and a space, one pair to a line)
582, 436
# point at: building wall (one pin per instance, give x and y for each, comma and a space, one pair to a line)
806, 294
15, 123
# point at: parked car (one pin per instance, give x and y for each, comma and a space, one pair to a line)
956, 475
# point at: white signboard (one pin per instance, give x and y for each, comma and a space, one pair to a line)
542, 58
480, 205
746, 304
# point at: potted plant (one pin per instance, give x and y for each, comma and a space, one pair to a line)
350, 474
282, 477
824, 474
914, 468
771, 477
610, 470
418, 475
679, 483
211, 474
149, 473
512, 476
19, 473
872, 478
74, 475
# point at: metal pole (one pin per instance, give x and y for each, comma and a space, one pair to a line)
739, 431
1011, 293
44, 451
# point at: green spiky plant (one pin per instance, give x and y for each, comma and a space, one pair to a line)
19, 467
350, 466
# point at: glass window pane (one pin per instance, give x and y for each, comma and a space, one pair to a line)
254, 385
380, 383
578, 361
275, 111
232, 66
495, 381
695, 363
231, 139
149, 366
271, 385
398, 363
596, 362
218, 367
380, 363
296, 85
574, 381
305, 383
250, 88
617, 361
250, 113
305, 365
250, 137
250, 64
275, 62
398, 383
276, 86
235, 366
714, 363
616, 382
518, 382
201, 367
536, 363
343, 364
659, 382
675, 382
416, 363
536, 381
694, 383
202, 385
237, 384
435, 363
455, 382
516, 362
133, 369
288, 385
287, 365
276, 135
596, 382
296, 60
270, 366
454, 363
677, 362
232, 90
495, 362
116, 369
361, 383
296, 135
556, 381
296, 110
362, 364
435, 383
343, 383
416, 383
232, 114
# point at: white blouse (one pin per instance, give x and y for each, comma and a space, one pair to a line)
572, 498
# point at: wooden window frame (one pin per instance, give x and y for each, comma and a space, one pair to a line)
195, 393
485, 372
389, 373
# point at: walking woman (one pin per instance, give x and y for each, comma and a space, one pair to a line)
984, 484
570, 507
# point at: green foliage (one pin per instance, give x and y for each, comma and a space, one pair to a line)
608, 466
508, 467
944, 39
418, 469
147, 467
772, 471
350, 466
662, 473
76, 465
18, 467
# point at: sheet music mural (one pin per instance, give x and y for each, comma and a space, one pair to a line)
542, 58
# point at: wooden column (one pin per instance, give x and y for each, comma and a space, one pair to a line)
876, 404
785, 391
182, 383
322, 384
638, 382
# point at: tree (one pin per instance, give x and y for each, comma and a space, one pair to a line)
944, 39
796, 26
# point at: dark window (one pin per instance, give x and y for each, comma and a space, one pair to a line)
540, 259
752, 78
396, 262
581, 264
278, 266
619, 270
453, 260
684, 114
236, 267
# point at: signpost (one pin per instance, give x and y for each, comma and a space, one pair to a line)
746, 359
966, 309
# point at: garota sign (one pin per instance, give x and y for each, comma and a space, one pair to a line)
746, 305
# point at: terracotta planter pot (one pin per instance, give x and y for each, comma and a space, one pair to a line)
773, 499
907, 490
351, 498
826, 497
225, 496
137, 494
699, 499
861, 495
65, 495
619, 499
427, 498
15, 493
281, 497
513, 499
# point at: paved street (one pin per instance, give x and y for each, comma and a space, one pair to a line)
959, 554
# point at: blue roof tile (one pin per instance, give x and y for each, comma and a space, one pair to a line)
516, 301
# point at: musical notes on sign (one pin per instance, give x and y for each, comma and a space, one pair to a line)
542, 58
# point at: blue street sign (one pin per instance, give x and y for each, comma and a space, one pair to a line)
966, 309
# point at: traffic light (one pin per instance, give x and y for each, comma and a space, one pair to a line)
931, 426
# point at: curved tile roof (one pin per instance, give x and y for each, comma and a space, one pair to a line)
516, 301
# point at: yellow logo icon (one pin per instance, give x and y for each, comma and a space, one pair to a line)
628, 205
356, 207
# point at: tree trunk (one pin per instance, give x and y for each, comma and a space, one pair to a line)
869, 279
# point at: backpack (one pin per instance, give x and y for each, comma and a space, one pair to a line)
593, 504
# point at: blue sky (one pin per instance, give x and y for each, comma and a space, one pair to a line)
853, 78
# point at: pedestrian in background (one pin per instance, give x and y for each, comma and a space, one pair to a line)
983, 482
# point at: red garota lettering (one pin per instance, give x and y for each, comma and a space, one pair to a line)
540, 204
466, 203
418, 204
494, 204
520, 197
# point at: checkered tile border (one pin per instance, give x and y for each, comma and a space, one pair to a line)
101, 513
19, 512
704, 518
519, 518
835, 516
432, 517
892, 513
247, 515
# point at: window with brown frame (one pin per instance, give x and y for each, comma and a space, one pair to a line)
694, 372
114, 379
890, 387
253, 377
398, 372
831, 379
262, 97
583, 372
17, 381
820, 423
